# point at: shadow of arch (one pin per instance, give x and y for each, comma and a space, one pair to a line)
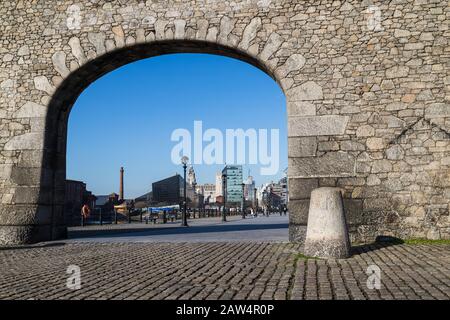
52, 187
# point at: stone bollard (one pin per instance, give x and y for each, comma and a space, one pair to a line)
327, 234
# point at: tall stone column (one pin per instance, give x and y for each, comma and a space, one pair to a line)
121, 192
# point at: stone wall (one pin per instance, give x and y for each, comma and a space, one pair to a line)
367, 86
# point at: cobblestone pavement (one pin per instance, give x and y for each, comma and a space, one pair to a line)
211, 270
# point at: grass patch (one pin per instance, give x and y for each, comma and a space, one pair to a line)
426, 241
412, 241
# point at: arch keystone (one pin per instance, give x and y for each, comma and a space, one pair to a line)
160, 27
180, 26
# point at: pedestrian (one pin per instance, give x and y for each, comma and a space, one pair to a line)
285, 209
85, 212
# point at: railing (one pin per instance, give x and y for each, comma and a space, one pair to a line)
98, 217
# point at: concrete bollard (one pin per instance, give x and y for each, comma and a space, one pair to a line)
327, 233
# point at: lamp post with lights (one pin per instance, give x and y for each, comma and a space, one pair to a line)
184, 161
224, 189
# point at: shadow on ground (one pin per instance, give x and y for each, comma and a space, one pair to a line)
174, 230
33, 246
379, 243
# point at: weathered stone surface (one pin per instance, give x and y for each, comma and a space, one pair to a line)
307, 91
98, 40
119, 36
42, 83
365, 131
301, 188
293, 63
395, 153
59, 62
332, 164
202, 28
301, 208
160, 28
375, 143
226, 26
212, 34
302, 147
77, 50
317, 126
327, 233
31, 110
27, 141
23, 51
438, 110
180, 26
301, 108
250, 32
273, 43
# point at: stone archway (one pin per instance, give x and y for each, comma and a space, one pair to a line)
367, 106
68, 92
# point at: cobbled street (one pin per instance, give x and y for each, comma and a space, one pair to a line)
219, 270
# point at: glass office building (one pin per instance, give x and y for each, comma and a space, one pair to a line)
234, 184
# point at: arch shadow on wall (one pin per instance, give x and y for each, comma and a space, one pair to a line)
52, 187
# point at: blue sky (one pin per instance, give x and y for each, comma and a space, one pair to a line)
126, 118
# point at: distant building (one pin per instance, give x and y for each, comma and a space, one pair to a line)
249, 189
274, 194
143, 201
106, 203
284, 190
76, 196
219, 191
234, 184
191, 179
208, 191
170, 191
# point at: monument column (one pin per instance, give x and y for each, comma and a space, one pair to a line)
121, 193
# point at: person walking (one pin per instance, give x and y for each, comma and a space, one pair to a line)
285, 209
85, 212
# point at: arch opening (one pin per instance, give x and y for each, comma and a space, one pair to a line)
77, 82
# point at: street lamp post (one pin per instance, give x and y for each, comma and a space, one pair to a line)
224, 189
184, 161
194, 185
243, 201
